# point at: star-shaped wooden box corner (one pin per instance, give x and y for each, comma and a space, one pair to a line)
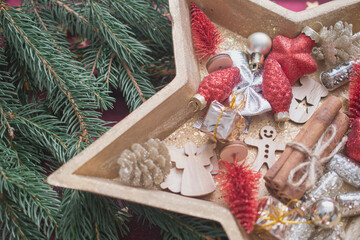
95, 168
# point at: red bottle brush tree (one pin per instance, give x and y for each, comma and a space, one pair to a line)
239, 186
354, 93
206, 37
353, 143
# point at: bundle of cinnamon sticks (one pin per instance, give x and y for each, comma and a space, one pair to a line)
277, 176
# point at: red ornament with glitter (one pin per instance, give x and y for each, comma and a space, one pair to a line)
206, 37
353, 143
216, 86
294, 58
278, 89
239, 186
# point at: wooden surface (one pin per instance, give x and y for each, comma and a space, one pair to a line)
266, 147
191, 175
306, 99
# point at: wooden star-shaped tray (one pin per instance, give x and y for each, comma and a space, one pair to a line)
95, 168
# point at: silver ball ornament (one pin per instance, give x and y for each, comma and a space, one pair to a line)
325, 213
259, 42
258, 45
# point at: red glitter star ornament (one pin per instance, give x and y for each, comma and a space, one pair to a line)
294, 56
289, 60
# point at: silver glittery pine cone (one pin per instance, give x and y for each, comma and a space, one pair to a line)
145, 165
337, 44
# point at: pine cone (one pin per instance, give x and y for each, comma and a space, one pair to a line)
145, 165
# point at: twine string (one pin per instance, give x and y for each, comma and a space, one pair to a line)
314, 158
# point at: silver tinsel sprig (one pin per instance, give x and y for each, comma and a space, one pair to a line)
345, 168
349, 203
336, 233
328, 186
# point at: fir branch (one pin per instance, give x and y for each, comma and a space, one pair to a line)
146, 20
177, 226
44, 130
15, 225
133, 80
5, 122
102, 97
55, 69
6, 97
96, 59
118, 35
70, 15
71, 11
109, 68
84, 210
29, 192
34, 8
135, 86
129, 88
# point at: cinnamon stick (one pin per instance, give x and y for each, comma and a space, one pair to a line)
277, 175
341, 123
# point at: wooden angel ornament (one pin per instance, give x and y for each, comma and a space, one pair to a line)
266, 147
306, 99
192, 174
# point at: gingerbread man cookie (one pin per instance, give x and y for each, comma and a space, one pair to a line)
266, 147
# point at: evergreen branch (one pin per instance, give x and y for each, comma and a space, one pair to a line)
24, 188
84, 211
32, 125
28, 191
133, 80
133, 84
37, 14
96, 58
97, 231
34, 8
53, 73
177, 226
7, 124
72, 12
15, 225
6, 97
146, 20
109, 68
70, 16
55, 67
42, 129
128, 88
11, 213
102, 97
118, 35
